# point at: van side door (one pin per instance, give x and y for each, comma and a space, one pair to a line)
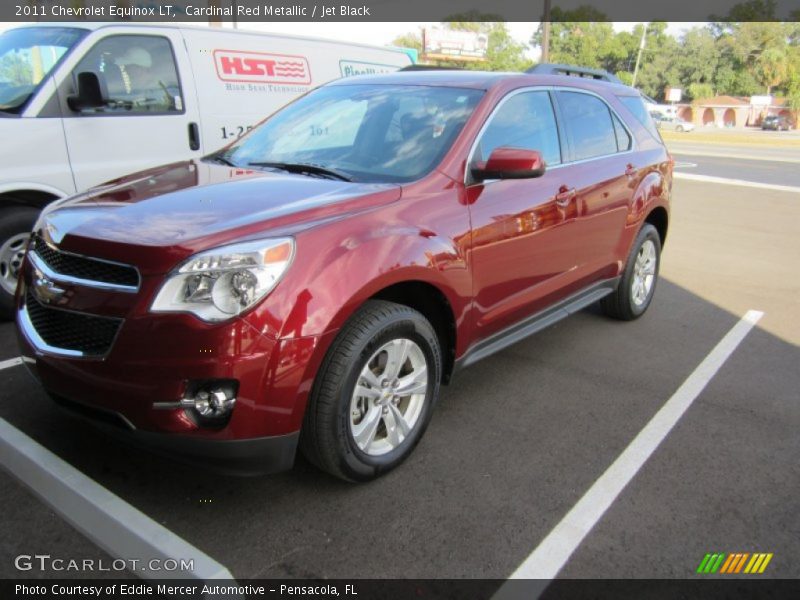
150, 117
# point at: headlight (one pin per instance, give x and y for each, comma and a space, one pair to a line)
218, 284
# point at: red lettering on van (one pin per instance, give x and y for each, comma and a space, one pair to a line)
260, 67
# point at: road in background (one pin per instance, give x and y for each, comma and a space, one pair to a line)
747, 169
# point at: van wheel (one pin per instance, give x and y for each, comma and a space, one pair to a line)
15, 229
638, 284
374, 394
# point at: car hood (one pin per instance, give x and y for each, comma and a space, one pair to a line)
156, 217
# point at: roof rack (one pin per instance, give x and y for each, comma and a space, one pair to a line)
573, 70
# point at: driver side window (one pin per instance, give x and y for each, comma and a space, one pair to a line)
138, 73
526, 120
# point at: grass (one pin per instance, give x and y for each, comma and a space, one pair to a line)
758, 138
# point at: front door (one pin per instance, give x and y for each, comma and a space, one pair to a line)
150, 112
520, 252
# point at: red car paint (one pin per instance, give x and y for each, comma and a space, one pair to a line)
496, 252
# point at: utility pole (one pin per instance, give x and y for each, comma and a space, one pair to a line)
639, 56
546, 33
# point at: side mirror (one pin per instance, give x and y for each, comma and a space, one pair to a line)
510, 163
90, 93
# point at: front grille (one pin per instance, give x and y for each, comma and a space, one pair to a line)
89, 334
81, 267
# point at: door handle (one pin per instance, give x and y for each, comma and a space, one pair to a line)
565, 195
630, 170
194, 136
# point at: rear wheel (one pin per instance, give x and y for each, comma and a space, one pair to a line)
679, 129
638, 284
374, 394
15, 227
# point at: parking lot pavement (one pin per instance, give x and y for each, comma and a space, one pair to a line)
519, 437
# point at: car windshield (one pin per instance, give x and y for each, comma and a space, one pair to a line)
370, 133
27, 56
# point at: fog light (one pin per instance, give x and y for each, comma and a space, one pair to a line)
213, 404
209, 402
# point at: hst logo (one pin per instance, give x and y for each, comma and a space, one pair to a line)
259, 67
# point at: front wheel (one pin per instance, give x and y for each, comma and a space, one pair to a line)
15, 229
374, 394
638, 284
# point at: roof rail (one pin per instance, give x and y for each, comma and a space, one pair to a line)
575, 71
429, 68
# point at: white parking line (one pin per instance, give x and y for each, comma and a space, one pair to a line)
741, 182
555, 550
117, 527
11, 362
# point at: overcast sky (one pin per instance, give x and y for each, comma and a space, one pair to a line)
380, 34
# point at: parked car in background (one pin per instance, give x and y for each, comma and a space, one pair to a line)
90, 102
671, 122
776, 123
316, 281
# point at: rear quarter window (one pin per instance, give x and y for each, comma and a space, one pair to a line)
637, 107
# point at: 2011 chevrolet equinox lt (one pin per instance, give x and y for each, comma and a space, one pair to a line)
314, 283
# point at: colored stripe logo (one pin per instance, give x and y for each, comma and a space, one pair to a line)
736, 562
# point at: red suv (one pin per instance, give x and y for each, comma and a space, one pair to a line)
316, 281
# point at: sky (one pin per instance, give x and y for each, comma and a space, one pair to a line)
381, 34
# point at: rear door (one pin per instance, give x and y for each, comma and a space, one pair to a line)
152, 116
603, 175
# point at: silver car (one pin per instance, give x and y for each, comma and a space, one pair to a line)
671, 122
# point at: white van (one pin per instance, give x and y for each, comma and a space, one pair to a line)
83, 104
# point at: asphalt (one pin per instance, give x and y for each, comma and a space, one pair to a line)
760, 170
516, 440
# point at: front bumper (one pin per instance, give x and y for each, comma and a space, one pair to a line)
152, 360
245, 457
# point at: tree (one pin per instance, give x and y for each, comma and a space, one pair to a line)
696, 91
773, 68
16, 70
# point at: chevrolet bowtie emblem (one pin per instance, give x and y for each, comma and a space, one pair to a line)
45, 289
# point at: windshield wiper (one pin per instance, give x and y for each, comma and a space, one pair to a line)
304, 169
219, 158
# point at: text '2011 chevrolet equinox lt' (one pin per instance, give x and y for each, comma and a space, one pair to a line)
314, 283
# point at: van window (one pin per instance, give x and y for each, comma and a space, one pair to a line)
525, 120
27, 56
138, 73
587, 121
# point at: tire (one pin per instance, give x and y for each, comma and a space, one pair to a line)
336, 413
15, 226
627, 303
679, 129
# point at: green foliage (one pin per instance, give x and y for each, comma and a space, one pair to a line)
696, 91
16, 70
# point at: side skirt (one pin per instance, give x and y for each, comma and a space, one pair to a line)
535, 323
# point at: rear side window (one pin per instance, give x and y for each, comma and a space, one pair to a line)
588, 125
624, 141
636, 106
526, 120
